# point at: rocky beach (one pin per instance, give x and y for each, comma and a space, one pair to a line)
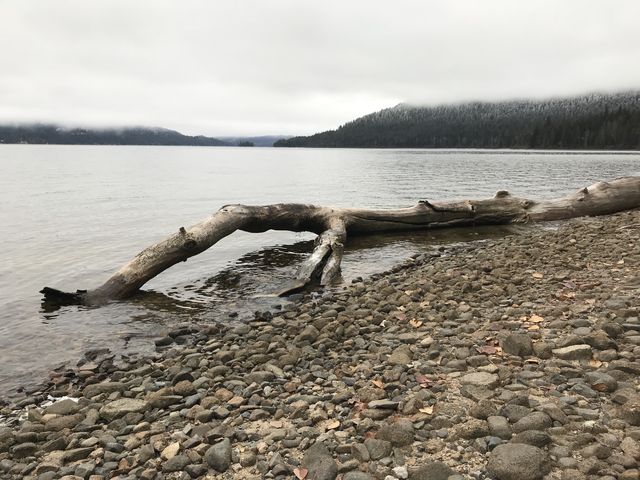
515, 358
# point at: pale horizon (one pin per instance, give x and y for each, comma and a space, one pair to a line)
284, 68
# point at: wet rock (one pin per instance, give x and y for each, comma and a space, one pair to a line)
518, 462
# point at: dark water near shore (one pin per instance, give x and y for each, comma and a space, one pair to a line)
71, 215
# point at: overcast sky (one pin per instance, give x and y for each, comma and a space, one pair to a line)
248, 67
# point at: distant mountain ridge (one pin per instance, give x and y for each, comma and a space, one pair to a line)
54, 134
595, 121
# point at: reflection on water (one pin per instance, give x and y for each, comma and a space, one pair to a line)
72, 215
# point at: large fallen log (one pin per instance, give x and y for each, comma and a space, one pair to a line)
332, 225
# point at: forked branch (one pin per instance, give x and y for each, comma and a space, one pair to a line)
333, 224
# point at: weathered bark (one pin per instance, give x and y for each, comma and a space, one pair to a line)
334, 224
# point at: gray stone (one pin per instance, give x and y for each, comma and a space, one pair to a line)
630, 412
472, 428
378, 448
431, 471
319, 462
309, 334
64, 421
514, 412
360, 452
533, 421
483, 410
91, 391
601, 382
176, 464
481, 379
356, 475
573, 352
532, 437
399, 433
384, 404
401, 356
630, 447
518, 344
23, 450
63, 407
218, 456
517, 461
499, 427
119, 408
542, 350
163, 401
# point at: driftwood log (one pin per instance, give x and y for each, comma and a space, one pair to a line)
332, 225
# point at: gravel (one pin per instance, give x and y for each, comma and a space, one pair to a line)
512, 358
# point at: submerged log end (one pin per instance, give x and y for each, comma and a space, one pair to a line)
53, 296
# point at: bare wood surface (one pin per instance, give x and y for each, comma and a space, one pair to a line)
333, 225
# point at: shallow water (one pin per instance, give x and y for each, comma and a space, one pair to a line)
71, 215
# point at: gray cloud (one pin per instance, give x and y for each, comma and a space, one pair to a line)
289, 66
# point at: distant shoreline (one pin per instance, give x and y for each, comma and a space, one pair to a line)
526, 151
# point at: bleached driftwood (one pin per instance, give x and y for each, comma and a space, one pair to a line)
333, 225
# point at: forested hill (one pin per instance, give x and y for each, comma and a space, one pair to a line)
594, 121
53, 134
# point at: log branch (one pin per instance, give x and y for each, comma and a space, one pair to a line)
333, 224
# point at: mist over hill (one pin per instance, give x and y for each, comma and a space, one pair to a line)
54, 134
594, 121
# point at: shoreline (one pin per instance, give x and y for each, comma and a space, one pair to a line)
512, 357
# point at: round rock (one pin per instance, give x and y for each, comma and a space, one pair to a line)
518, 461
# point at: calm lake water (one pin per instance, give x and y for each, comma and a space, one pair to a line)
71, 215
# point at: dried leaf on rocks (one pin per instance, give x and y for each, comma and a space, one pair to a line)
423, 381
428, 410
332, 424
536, 318
537, 275
487, 350
378, 383
595, 363
415, 323
300, 473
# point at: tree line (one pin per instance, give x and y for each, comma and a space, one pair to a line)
596, 121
